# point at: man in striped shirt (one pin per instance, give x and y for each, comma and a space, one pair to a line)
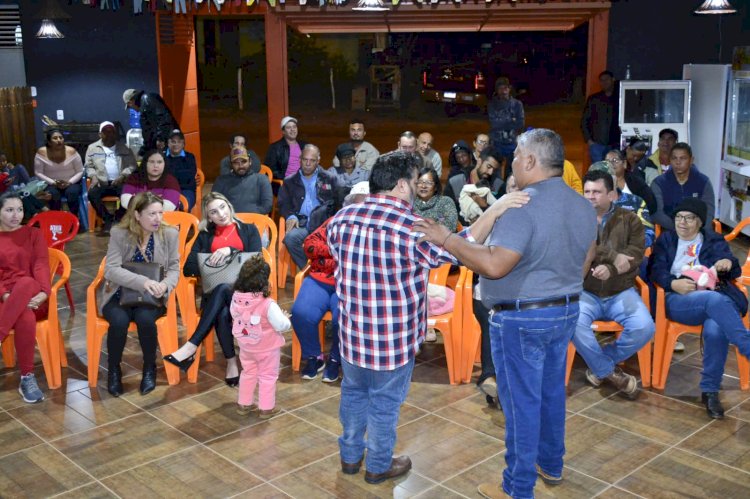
381, 280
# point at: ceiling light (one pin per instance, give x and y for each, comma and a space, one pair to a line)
370, 5
49, 13
49, 30
716, 7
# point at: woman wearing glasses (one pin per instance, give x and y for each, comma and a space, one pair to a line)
628, 182
719, 311
430, 203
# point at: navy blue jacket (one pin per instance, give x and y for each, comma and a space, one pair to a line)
668, 193
713, 249
184, 168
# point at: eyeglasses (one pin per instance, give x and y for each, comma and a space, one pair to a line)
483, 142
428, 183
685, 218
615, 161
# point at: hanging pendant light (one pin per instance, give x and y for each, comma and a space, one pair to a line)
370, 5
49, 13
716, 7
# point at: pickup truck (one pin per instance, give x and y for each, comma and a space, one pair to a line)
457, 86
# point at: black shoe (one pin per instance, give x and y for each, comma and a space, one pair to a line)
148, 381
114, 381
235, 381
351, 468
713, 404
184, 365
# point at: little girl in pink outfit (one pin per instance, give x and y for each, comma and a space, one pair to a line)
257, 323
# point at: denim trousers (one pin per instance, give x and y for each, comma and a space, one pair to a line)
529, 349
313, 301
370, 403
722, 325
625, 308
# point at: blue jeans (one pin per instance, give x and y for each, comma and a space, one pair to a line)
370, 403
529, 349
597, 152
722, 325
313, 301
625, 308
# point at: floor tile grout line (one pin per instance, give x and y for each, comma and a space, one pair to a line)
259, 485
598, 494
473, 430
145, 463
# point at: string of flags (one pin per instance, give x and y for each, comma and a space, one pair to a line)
188, 6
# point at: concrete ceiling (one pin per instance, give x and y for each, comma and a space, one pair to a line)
468, 16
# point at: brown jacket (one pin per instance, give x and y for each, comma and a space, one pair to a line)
121, 249
623, 233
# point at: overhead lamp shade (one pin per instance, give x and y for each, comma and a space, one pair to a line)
49, 30
371, 5
716, 7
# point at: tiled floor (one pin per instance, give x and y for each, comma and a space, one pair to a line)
187, 441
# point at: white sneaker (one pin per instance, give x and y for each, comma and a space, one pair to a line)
430, 336
679, 347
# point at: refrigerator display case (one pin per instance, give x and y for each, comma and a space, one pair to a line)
735, 196
647, 107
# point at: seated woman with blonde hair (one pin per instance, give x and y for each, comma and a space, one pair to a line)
141, 236
221, 234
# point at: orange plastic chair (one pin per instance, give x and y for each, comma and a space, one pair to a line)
285, 263
668, 331
745, 277
192, 374
183, 206
58, 228
265, 170
449, 324
94, 218
296, 347
265, 225
97, 326
48, 336
200, 179
188, 227
644, 354
471, 332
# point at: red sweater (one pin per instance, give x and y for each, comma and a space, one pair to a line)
322, 264
23, 253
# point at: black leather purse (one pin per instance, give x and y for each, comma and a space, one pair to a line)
130, 297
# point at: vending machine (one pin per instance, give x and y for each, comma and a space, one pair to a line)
646, 107
735, 188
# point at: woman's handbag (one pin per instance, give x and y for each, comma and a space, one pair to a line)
132, 298
225, 273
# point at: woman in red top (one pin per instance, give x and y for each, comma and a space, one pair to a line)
220, 233
316, 296
24, 288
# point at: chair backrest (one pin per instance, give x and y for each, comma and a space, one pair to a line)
58, 227
59, 264
184, 222
184, 205
200, 179
265, 226
440, 275
271, 278
265, 170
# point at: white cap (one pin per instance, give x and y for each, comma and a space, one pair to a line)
129, 95
287, 119
360, 188
105, 124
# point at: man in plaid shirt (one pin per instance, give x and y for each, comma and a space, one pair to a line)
381, 281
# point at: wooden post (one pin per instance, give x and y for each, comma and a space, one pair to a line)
596, 62
277, 74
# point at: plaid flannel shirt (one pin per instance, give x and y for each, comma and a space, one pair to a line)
381, 281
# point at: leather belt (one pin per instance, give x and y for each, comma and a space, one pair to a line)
531, 305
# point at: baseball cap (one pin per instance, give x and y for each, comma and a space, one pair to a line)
105, 124
239, 152
360, 188
345, 149
287, 119
176, 133
129, 95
